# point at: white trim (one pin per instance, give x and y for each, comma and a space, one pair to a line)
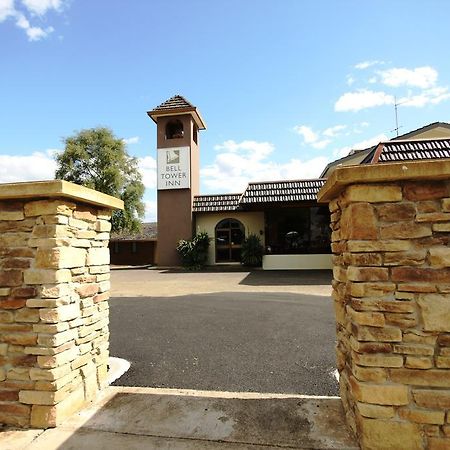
296, 262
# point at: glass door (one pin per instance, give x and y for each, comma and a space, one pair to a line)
229, 236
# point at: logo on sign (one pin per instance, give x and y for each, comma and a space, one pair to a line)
173, 156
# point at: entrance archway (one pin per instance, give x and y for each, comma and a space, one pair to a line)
229, 235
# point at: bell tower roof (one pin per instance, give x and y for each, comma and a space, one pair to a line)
177, 105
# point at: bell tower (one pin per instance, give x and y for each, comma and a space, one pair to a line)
178, 123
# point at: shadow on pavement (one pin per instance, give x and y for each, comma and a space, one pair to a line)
288, 278
208, 269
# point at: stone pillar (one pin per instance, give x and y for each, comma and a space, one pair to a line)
54, 287
391, 290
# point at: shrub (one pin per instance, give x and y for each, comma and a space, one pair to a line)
252, 251
194, 252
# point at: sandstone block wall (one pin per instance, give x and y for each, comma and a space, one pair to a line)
54, 287
391, 290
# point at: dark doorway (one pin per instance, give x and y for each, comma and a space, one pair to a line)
229, 235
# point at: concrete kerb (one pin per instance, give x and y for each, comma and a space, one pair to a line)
138, 418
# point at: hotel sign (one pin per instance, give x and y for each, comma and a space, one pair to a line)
174, 168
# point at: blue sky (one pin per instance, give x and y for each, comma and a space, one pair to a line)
284, 87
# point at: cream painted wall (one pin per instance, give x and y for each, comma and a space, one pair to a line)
253, 223
435, 133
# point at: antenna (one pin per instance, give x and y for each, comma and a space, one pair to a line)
396, 115
396, 105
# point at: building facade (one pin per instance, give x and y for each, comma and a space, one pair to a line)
292, 226
286, 216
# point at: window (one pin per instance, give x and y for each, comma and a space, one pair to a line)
174, 129
298, 230
134, 247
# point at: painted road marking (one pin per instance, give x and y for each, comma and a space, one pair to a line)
117, 367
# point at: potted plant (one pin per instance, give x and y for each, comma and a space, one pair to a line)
194, 252
252, 251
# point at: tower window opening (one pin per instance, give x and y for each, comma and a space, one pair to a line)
174, 129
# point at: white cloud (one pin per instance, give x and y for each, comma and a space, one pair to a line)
365, 64
40, 7
147, 167
150, 211
334, 131
344, 151
131, 140
6, 9
357, 129
308, 134
350, 80
321, 144
310, 137
432, 96
361, 99
422, 77
22, 22
33, 33
20, 10
248, 161
37, 166
298, 169
420, 81
256, 150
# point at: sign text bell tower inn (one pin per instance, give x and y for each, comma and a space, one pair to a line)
178, 123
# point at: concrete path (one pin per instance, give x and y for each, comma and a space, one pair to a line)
169, 283
146, 418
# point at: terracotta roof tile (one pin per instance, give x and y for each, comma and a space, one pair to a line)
393, 151
175, 102
177, 105
282, 191
216, 203
264, 192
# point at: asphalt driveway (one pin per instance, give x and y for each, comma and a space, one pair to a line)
250, 331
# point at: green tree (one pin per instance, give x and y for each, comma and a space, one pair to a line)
95, 158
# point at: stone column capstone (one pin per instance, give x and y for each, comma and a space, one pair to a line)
54, 290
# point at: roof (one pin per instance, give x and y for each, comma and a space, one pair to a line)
177, 105
366, 156
215, 203
177, 101
420, 149
353, 158
148, 232
259, 193
421, 130
282, 191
